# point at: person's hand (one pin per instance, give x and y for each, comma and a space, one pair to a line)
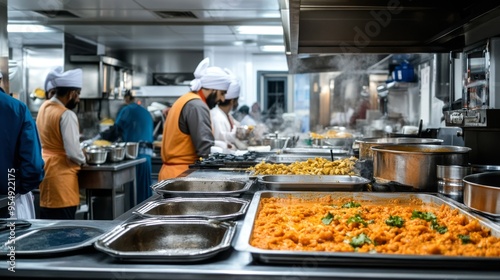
165, 111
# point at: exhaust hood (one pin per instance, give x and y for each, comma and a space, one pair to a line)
314, 28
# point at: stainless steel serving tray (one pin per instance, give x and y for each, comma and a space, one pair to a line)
156, 240
220, 208
291, 158
201, 187
52, 239
364, 259
313, 182
321, 151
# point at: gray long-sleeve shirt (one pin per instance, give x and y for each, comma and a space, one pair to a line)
195, 121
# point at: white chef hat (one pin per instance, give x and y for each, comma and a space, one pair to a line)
233, 91
209, 77
48, 84
1, 76
72, 78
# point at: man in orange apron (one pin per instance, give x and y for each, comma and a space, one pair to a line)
187, 133
59, 134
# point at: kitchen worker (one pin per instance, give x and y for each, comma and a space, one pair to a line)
224, 125
59, 134
21, 163
187, 134
246, 118
135, 124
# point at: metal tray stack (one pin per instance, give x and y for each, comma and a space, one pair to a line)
367, 259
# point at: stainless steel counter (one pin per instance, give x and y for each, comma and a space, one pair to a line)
113, 180
231, 264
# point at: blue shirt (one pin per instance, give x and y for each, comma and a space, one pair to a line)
21, 162
135, 124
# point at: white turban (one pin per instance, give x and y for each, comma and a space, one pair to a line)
209, 77
48, 84
72, 78
233, 91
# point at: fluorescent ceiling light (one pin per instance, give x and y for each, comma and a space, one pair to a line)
272, 48
28, 28
260, 30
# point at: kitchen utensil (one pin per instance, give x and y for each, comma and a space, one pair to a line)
450, 181
115, 153
156, 240
414, 166
365, 144
482, 192
313, 183
201, 187
96, 155
131, 150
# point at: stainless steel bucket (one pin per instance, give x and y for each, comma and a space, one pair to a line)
414, 166
365, 144
482, 192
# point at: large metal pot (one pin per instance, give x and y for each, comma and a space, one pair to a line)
414, 166
115, 153
131, 150
365, 144
482, 192
277, 142
96, 155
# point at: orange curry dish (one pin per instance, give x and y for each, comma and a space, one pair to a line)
343, 225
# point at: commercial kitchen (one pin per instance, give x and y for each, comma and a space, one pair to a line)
370, 111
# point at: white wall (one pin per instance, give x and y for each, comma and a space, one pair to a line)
245, 65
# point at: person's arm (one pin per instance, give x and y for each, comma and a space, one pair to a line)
71, 137
195, 121
30, 156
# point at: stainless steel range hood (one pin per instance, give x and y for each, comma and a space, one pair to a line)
348, 27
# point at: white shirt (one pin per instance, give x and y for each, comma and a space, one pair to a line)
222, 126
71, 135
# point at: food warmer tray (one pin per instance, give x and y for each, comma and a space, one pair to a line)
155, 240
326, 151
52, 239
201, 187
220, 208
291, 158
313, 182
362, 259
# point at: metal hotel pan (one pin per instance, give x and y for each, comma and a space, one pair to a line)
482, 193
201, 187
287, 159
155, 240
220, 208
313, 182
364, 259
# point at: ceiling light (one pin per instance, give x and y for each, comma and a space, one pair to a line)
272, 48
260, 30
28, 28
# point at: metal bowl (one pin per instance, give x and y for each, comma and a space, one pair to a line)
115, 153
96, 156
482, 192
131, 150
414, 166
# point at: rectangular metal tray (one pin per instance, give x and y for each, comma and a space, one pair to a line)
220, 208
361, 259
313, 182
52, 239
155, 240
201, 187
317, 151
291, 158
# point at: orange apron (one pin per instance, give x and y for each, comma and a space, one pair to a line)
59, 187
177, 151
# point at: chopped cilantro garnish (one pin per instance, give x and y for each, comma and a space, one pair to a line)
357, 219
359, 240
327, 219
395, 221
351, 204
465, 238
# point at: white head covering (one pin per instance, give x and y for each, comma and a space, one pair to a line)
1, 76
209, 77
56, 71
71, 78
233, 91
